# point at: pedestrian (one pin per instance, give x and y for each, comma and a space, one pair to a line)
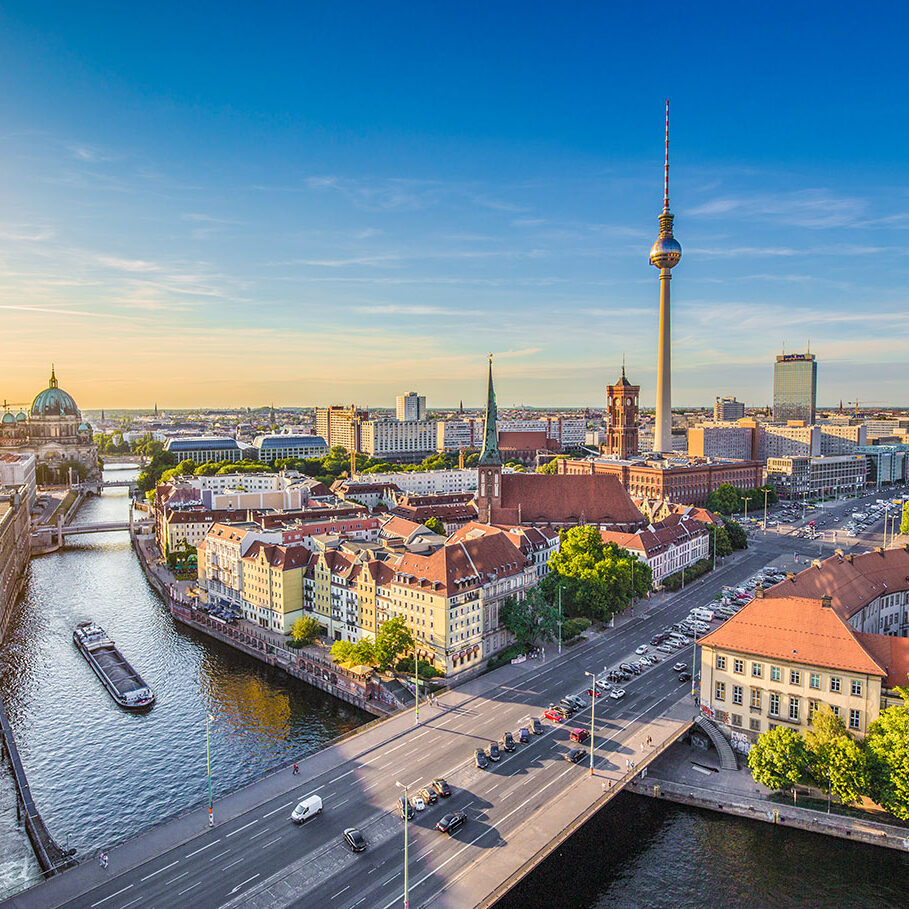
296, 770
102, 859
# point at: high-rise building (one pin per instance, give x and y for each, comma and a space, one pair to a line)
725, 410
622, 433
410, 406
340, 426
664, 255
795, 387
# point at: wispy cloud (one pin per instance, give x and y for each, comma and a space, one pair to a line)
133, 265
803, 208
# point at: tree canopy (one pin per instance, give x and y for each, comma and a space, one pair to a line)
779, 758
904, 523
738, 539
887, 744
531, 620
727, 499
393, 640
305, 630
361, 653
719, 541
435, 525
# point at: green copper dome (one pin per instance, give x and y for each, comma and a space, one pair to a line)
54, 401
8, 418
85, 427
21, 417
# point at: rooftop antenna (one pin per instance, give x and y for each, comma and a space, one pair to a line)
666, 164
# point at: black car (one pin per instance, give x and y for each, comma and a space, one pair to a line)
577, 701
575, 755
452, 822
480, 759
405, 809
429, 795
441, 787
523, 735
508, 742
568, 705
536, 727
354, 839
493, 752
684, 676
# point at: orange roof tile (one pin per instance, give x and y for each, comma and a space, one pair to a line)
796, 629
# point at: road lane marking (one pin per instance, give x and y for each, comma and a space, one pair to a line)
130, 887
270, 813
424, 854
231, 865
131, 902
339, 804
341, 891
244, 883
241, 829
189, 888
374, 868
191, 854
492, 787
335, 780
270, 842
386, 883
362, 899
175, 879
255, 836
147, 876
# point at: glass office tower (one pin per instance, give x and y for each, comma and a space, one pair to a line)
794, 387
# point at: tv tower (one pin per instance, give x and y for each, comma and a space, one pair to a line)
665, 255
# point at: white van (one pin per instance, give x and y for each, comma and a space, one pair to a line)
702, 613
309, 807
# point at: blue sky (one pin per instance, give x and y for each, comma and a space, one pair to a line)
308, 203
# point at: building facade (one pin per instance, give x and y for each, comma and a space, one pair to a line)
413, 440
205, 449
340, 426
727, 410
729, 441
817, 478
15, 548
276, 446
18, 469
410, 407
622, 421
795, 388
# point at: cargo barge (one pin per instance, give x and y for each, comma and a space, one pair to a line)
122, 682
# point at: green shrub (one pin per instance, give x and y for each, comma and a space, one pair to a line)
427, 670
506, 656
692, 573
573, 627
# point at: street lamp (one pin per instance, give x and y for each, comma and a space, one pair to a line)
766, 491
209, 719
593, 704
416, 688
405, 813
560, 617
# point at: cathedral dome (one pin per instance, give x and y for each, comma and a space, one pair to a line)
54, 402
21, 417
8, 418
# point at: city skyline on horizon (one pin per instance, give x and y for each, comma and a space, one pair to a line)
295, 231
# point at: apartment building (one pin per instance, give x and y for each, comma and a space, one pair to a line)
340, 426
410, 407
727, 440
18, 469
817, 478
15, 548
271, 579
727, 410
412, 440
277, 446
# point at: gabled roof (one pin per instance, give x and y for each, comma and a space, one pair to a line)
796, 629
281, 558
852, 581
892, 653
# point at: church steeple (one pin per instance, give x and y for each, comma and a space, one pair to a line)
53, 379
489, 456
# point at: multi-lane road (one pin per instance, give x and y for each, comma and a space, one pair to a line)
259, 858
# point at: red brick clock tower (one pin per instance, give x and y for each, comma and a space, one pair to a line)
622, 433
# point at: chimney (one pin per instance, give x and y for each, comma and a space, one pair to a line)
879, 550
826, 601
816, 563
759, 592
790, 576
838, 553
849, 557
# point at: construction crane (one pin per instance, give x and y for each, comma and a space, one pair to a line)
859, 403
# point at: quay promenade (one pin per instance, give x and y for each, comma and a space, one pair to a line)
254, 855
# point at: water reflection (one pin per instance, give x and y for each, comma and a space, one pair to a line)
101, 774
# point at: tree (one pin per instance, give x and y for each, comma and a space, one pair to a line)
551, 466
779, 758
342, 651
530, 619
393, 640
726, 499
887, 744
305, 630
435, 525
738, 539
904, 523
719, 541
847, 771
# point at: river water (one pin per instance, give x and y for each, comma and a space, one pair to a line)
100, 775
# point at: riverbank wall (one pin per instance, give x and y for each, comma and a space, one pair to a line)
671, 778
370, 695
51, 857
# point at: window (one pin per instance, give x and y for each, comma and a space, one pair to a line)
795, 677
812, 709
855, 718
815, 680
835, 709
757, 670
775, 673
736, 719
755, 725
720, 662
738, 666
756, 698
720, 694
856, 688
737, 695
834, 683
793, 709
774, 705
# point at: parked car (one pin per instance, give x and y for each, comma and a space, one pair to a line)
523, 735
536, 727
508, 742
354, 839
665, 648
405, 809
578, 702
480, 759
568, 706
617, 693
493, 752
441, 787
575, 755
595, 692
452, 822
641, 649
418, 803
430, 796
579, 735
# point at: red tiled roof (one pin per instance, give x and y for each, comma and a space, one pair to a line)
536, 498
532, 440
283, 558
890, 652
853, 581
657, 537
797, 629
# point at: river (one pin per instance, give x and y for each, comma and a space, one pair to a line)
99, 774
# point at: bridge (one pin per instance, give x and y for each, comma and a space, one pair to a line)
60, 530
